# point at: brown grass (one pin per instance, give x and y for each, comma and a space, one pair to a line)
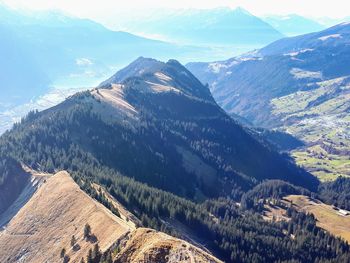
45, 224
327, 217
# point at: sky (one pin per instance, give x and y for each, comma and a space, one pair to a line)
97, 9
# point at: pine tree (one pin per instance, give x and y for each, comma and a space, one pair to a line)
63, 252
96, 254
87, 231
89, 258
73, 241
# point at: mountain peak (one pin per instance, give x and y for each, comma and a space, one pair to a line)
147, 74
241, 10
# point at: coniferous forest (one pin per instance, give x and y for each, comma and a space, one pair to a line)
233, 233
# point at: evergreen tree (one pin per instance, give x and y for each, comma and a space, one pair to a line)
96, 254
73, 241
63, 252
87, 231
89, 258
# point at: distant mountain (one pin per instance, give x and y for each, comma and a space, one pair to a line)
220, 26
298, 84
41, 49
20, 73
292, 25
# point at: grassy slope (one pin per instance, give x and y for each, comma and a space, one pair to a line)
58, 210
327, 217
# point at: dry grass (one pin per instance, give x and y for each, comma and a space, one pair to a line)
327, 217
45, 224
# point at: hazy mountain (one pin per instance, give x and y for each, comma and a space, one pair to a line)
42, 49
292, 25
19, 70
299, 84
220, 26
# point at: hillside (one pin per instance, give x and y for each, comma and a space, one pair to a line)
59, 209
46, 223
298, 85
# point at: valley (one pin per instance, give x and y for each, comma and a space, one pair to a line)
297, 85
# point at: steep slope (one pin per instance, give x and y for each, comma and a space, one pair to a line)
46, 223
299, 85
220, 26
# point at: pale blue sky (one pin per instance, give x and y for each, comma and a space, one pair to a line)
97, 9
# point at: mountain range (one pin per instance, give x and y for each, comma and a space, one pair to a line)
219, 26
30, 38
297, 84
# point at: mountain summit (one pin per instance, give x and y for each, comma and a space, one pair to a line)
152, 75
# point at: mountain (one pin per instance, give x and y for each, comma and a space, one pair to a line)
151, 144
160, 110
219, 26
50, 48
292, 24
19, 70
59, 209
299, 85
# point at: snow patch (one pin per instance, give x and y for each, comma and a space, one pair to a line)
293, 54
216, 67
324, 38
303, 74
